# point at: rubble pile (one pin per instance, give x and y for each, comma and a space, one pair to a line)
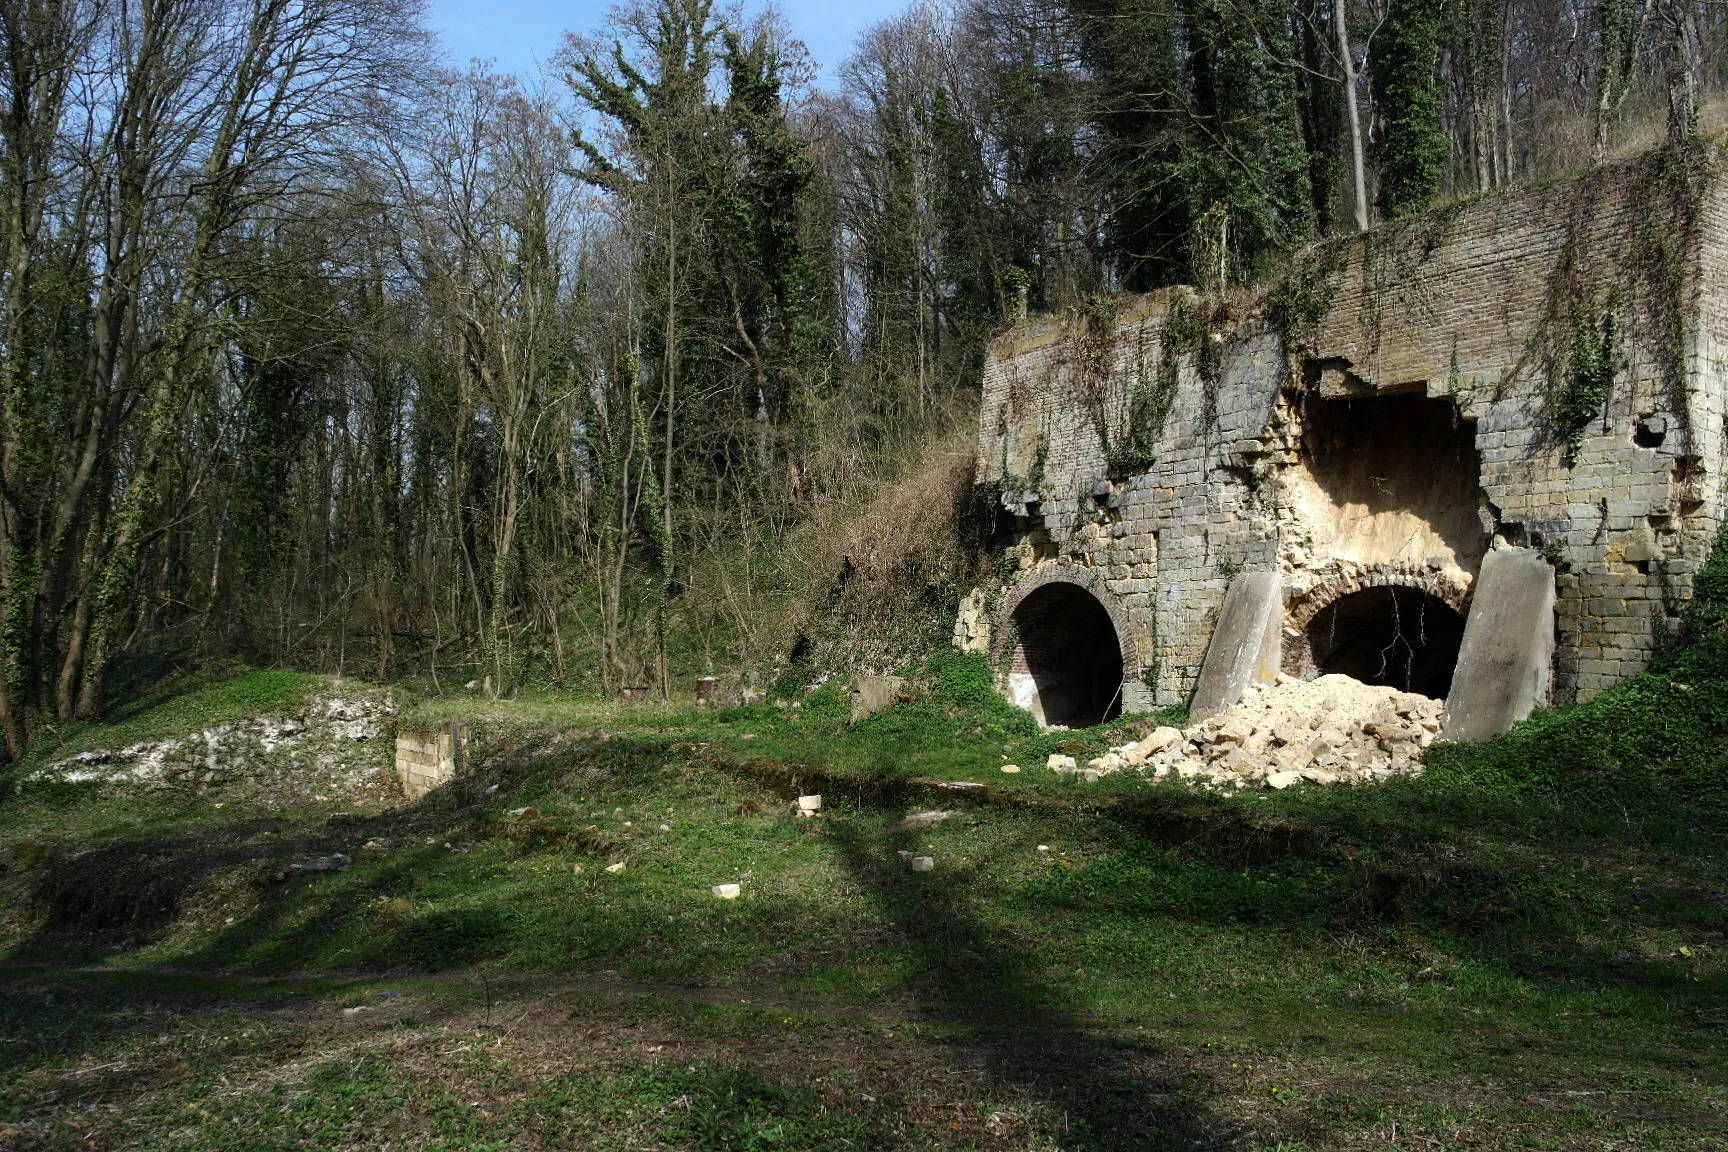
1332, 730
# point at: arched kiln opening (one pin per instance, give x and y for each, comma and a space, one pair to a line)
1067, 661
1397, 636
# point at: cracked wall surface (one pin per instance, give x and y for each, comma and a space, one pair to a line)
1400, 404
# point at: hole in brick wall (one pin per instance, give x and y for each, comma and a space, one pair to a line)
1396, 636
1387, 479
1068, 663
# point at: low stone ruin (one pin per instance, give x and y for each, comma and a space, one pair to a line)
331, 751
1331, 730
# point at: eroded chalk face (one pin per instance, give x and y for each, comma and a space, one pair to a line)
1382, 538
1387, 479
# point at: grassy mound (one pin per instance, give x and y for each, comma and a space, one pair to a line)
180, 708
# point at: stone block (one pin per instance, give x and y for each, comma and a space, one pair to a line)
1507, 655
873, 694
1245, 645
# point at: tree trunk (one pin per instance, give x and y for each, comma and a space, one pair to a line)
1358, 167
1683, 72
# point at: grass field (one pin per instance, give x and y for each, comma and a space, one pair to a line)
1523, 948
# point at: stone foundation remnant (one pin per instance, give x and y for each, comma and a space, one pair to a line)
426, 762
1476, 456
873, 694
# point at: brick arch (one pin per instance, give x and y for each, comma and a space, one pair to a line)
1347, 579
1087, 579
1298, 657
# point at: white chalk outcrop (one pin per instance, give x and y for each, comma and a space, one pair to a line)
333, 750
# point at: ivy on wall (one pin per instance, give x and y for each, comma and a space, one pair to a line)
1668, 198
1628, 308
1130, 419
1589, 379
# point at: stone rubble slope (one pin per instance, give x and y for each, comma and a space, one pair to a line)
1331, 730
336, 749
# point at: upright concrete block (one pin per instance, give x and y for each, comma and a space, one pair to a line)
1245, 643
873, 694
425, 762
1507, 654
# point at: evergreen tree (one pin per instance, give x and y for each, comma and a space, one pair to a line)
1411, 149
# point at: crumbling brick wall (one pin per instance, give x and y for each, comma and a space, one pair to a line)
1489, 308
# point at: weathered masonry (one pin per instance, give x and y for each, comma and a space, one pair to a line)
1510, 411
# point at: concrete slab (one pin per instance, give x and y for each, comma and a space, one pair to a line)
1507, 656
873, 694
1245, 643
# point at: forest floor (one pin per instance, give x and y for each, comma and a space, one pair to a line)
1525, 947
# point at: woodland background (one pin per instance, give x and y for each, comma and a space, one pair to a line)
315, 353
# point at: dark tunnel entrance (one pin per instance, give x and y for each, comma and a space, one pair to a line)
1067, 662
1401, 637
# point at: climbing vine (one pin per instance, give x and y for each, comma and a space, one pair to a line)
1668, 198
1649, 287
1198, 331
1033, 480
1093, 360
1393, 256
1589, 379
1129, 420
1412, 145
1304, 294
1149, 398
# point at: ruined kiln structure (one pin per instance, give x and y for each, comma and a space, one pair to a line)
1494, 431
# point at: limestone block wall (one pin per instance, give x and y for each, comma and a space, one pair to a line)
425, 762
1167, 538
1398, 405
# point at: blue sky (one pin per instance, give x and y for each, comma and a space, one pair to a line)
519, 35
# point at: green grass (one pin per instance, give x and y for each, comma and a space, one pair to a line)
702, 1107
179, 709
1529, 939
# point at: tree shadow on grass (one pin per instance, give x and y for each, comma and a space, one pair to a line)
1030, 1029
131, 891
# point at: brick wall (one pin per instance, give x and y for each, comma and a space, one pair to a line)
1477, 304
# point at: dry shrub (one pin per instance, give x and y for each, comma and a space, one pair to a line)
864, 572
882, 578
